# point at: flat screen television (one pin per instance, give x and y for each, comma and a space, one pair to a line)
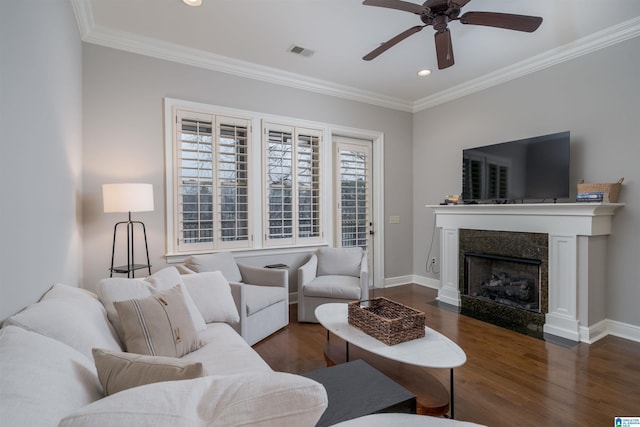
535, 169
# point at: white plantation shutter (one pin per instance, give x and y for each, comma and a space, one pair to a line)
211, 208
354, 202
291, 185
308, 164
279, 177
233, 182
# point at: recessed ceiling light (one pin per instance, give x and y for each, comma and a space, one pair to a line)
192, 2
423, 73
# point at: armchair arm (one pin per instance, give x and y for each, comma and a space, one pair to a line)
308, 271
364, 276
264, 276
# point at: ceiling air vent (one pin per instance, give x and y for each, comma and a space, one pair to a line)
298, 50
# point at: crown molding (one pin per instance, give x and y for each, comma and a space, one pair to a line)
602, 39
99, 35
96, 34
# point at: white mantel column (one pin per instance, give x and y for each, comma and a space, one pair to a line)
449, 290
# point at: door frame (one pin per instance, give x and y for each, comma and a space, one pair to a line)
377, 209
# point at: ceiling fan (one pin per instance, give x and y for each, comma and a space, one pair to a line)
438, 13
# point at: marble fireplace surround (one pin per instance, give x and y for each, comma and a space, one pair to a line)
577, 236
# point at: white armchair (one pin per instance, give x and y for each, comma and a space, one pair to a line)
261, 294
331, 275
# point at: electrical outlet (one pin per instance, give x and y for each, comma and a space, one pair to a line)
434, 260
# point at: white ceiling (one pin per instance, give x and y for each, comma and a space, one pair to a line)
252, 38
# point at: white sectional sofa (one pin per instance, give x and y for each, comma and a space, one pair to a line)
62, 363
49, 377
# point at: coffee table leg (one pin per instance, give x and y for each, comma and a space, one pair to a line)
347, 351
451, 392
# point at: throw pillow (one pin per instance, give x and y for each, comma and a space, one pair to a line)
212, 295
59, 314
158, 325
119, 371
42, 379
120, 289
339, 261
169, 277
222, 261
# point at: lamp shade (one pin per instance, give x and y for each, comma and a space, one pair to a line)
127, 197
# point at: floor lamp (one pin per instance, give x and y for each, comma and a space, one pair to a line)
128, 198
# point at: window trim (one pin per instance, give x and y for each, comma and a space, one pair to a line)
256, 187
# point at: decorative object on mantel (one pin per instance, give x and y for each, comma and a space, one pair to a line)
386, 320
128, 198
452, 199
598, 192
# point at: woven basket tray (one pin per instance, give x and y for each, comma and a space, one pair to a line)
610, 191
386, 320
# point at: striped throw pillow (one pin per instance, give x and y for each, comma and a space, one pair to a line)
158, 325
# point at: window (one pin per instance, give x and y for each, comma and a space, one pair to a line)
231, 188
212, 182
291, 185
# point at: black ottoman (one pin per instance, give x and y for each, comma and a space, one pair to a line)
356, 389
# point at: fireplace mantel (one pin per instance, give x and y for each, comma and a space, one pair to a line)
577, 252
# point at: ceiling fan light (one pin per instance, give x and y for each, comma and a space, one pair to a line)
192, 2
424, 73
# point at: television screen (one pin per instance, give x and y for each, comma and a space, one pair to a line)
528, 169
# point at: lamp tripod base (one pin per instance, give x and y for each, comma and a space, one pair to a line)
130, 268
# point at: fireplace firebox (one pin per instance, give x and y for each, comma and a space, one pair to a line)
513, 282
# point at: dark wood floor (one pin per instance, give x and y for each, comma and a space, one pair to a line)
509, 379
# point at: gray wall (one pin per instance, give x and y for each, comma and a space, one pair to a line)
596, 97
123, 141
40, 165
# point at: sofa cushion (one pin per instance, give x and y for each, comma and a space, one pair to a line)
70, 315
42, 379
119, 371
225, 352
222, 261
339, 261
212, 295
169, 277
259, 297
343, 287
158, 325
270, 399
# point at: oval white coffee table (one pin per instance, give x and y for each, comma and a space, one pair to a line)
433, 351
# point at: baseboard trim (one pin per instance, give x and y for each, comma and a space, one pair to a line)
623, 330
411, 278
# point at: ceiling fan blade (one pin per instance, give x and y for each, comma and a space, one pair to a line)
392, 42
418, 9
502, 20
444, 49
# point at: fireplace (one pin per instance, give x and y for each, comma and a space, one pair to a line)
504, 278
513, 282
573, 252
